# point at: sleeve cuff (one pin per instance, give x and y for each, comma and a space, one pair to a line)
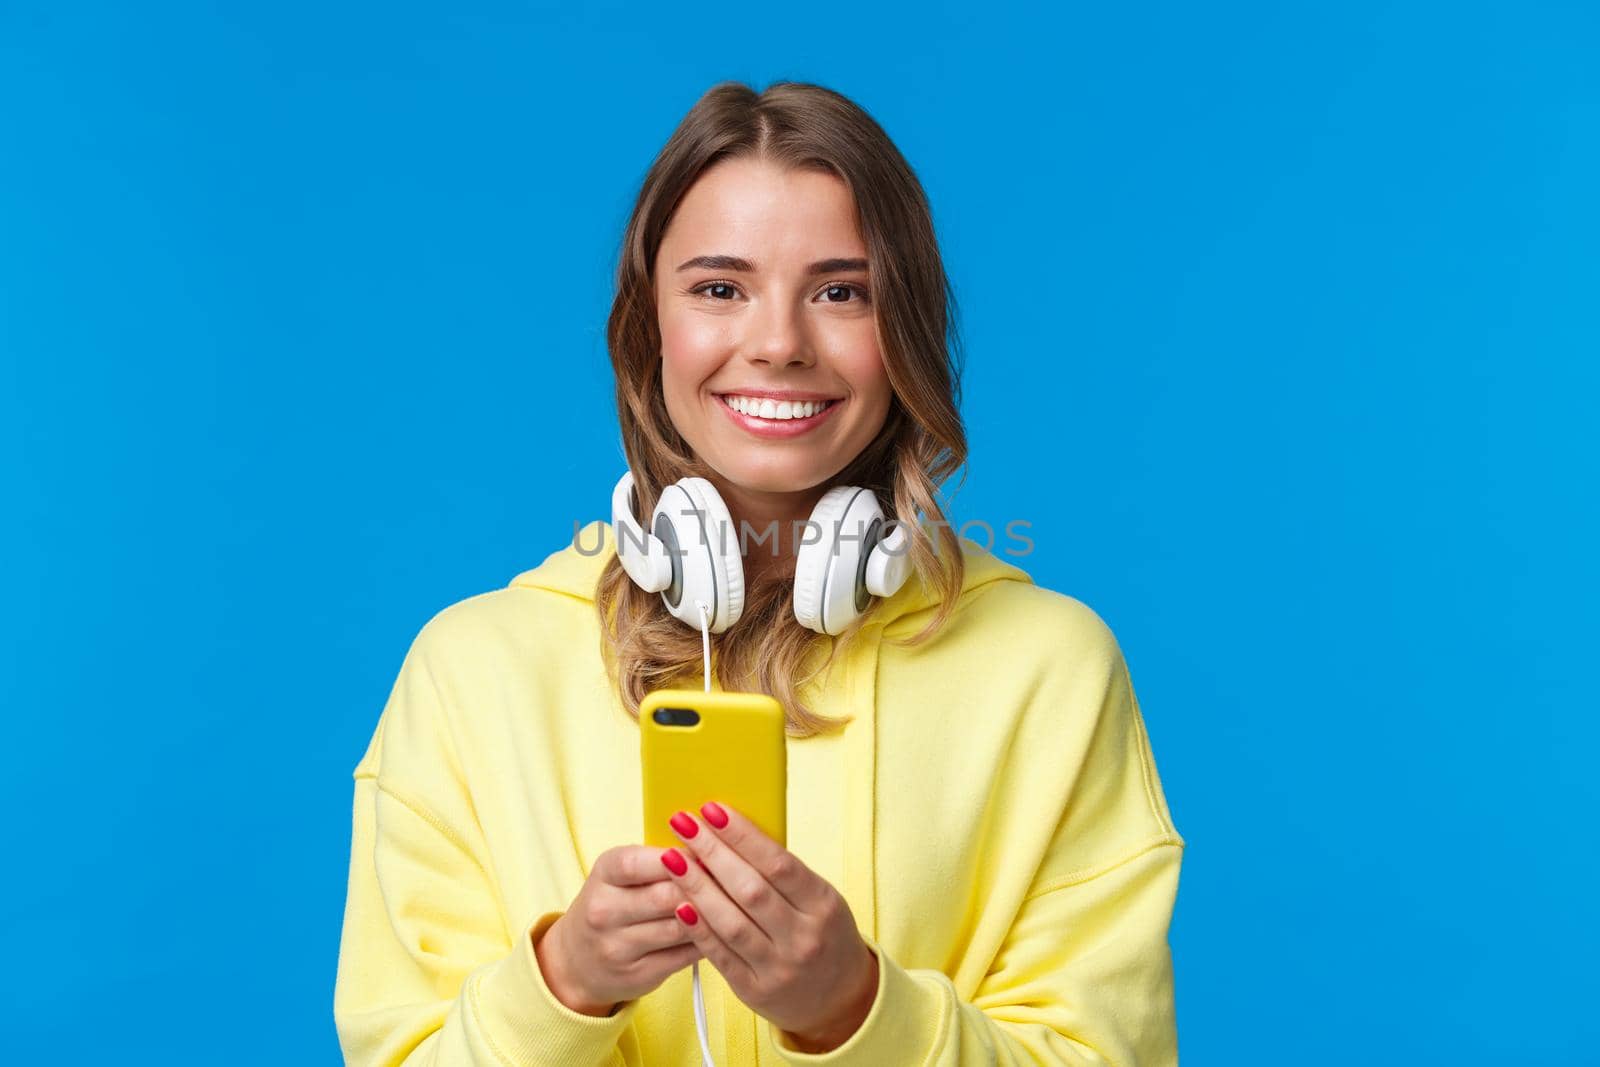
901, 1027
522, 1019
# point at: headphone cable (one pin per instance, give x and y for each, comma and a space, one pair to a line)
699, 997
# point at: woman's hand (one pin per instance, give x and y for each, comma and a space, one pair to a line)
619, 939
782, 937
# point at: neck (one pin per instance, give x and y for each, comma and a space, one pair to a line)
778, 519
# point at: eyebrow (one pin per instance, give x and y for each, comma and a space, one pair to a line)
739, 263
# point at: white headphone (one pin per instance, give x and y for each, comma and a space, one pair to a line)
693, 552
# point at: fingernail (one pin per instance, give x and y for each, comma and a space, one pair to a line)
714, 814
675, 862
686, 913
684, 825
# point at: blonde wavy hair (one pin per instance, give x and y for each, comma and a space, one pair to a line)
923, 441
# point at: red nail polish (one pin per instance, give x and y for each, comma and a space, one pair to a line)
686, 913
714, 814
675, 862
684, 825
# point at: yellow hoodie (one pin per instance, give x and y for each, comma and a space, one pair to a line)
992, 816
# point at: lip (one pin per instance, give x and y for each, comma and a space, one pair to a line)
773, 429
778, 394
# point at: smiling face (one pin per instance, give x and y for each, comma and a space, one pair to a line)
761, 291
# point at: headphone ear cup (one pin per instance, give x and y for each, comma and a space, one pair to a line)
829, 585
711, 541
889, 562
643, 556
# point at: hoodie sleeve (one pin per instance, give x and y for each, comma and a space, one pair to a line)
1084, 978
428, 972
1084, 974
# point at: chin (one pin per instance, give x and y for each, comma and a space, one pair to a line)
773, 485
769, 481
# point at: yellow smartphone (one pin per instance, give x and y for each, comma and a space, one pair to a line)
697, 746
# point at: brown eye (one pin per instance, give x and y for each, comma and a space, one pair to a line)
708, 286
832, 289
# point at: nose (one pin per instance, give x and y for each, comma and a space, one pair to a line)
778, 338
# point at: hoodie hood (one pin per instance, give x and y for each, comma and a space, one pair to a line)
575, 571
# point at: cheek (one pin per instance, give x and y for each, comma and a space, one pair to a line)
688, 361
868, 379
691, 354
692, 340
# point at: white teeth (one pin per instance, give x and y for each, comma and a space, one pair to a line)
776, 410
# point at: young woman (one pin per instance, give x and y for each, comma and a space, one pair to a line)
981, 865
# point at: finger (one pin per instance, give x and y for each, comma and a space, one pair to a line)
711, 946
628, 905
657, 935
766, 907
732, 928
628, 865
672, 959
782, 869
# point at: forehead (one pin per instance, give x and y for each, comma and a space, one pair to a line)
766, 213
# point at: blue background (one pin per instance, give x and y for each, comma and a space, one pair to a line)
1281, 331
